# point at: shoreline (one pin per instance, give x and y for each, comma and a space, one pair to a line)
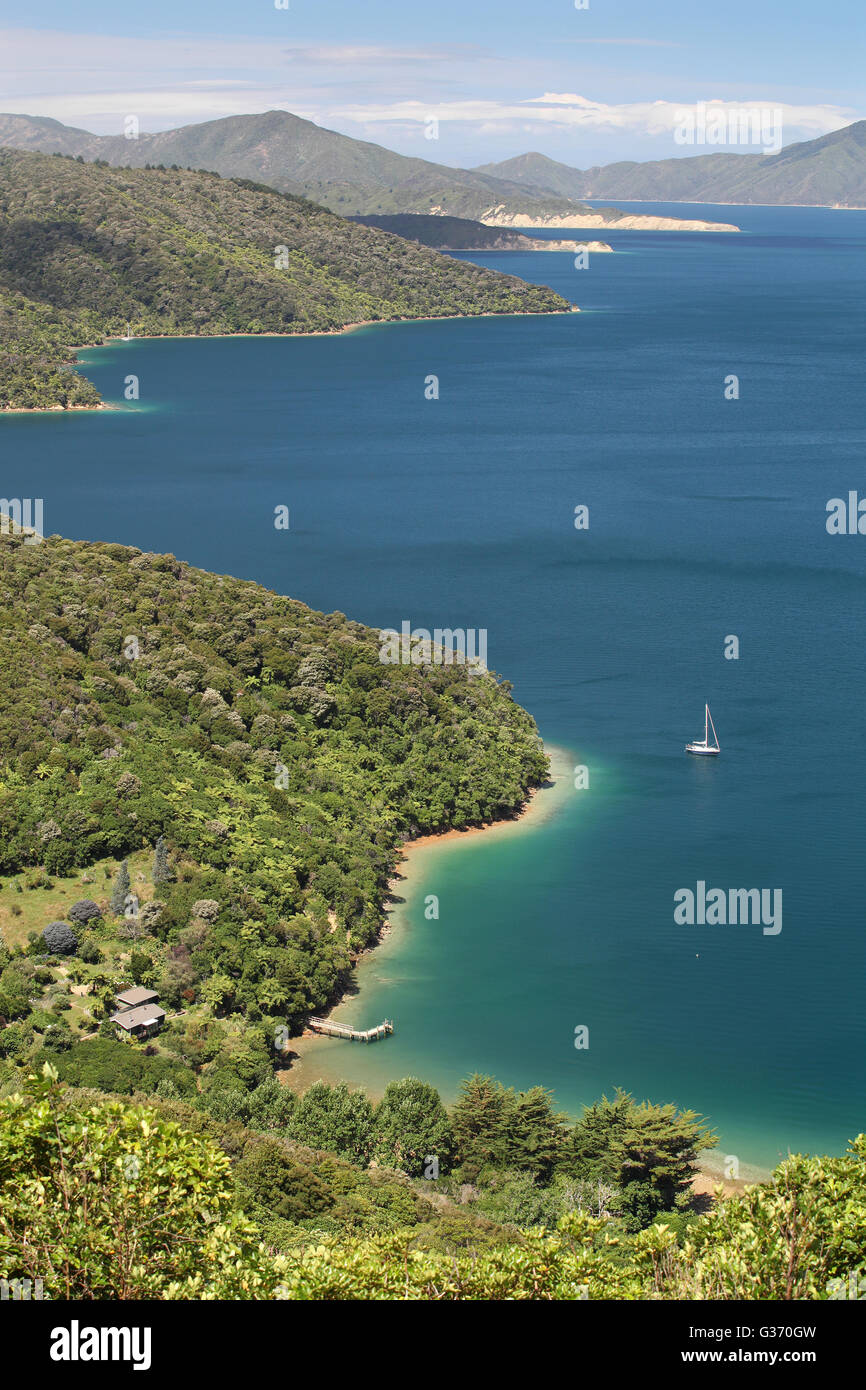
315, 332
315, 1057
54, 409
703, 203
628, 222
541, 803
218, 337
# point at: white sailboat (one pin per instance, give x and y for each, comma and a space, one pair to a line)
706, 748
127, 337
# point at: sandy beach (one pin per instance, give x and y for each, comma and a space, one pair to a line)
317, 1057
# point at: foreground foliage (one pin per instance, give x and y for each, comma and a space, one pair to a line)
138, 1207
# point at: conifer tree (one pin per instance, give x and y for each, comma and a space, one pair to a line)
480, 1122
161, 869
120, 890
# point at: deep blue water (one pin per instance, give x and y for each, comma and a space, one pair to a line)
707, 518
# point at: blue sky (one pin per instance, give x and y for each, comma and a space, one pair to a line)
502, 76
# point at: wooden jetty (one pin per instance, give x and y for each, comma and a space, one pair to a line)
342, 1030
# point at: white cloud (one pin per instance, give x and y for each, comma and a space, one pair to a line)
372, 90
569, 111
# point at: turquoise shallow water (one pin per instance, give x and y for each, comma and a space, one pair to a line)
706, 519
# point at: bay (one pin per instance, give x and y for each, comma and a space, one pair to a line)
707, 519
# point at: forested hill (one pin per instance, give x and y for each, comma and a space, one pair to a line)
85, 248
280, 758
295, 156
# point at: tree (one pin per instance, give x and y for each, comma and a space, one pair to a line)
57, 1037
89, 952
59, 938
120, 890
412, 1125
480, 1123
590, 1152
270, 1105
15, 993
335, 1118
648, 1151
243, 1061
267, 1177
657, 1153
536, 1134
218, 992
140, 966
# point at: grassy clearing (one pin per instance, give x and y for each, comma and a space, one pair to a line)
31, 899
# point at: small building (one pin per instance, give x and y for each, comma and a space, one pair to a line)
134, 998
141, 1022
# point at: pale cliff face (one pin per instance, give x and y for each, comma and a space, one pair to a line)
627, 222
516, 242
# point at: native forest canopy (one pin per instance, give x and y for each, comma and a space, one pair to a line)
86, 250
260, 759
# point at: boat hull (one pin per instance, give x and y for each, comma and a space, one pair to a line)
700, 751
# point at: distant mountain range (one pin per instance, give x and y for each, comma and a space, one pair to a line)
294, 156
357, 178
351, 177
830, 171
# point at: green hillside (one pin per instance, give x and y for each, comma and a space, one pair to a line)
294, 156
85, 248
282, 761
829, 171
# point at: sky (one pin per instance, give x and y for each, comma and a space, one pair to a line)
615, 79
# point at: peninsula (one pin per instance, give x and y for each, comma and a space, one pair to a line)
86, 250
465, 234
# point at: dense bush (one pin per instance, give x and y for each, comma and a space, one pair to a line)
108, 1065
162, 1222
84, 911
59, 938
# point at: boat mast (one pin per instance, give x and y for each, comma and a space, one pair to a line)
713, 727
706, 723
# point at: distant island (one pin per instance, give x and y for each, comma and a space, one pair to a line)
86, 250
464, 234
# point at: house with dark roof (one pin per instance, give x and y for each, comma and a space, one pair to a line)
133, 998
142, 1022
139, 1015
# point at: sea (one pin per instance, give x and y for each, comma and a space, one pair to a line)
632, 503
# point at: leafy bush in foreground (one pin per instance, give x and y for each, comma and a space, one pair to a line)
143, 1208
